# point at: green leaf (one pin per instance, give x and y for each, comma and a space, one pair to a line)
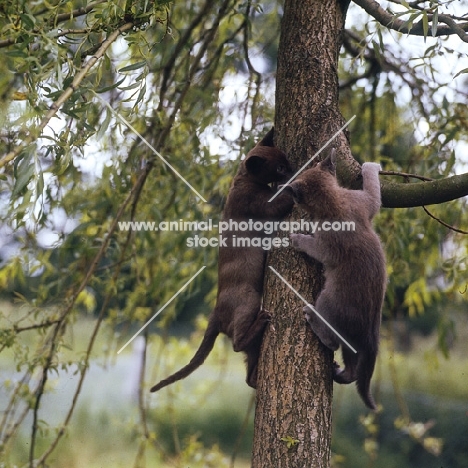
104, 126
132, 86
435, 22
134, 66
290, 441
28, 20
40, 184
108, 88
23, 174
425, 24
381, 41
465, 70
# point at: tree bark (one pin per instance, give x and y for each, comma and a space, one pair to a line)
294, 394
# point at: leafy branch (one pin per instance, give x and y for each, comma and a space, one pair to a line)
55, 20
391, 21
54, 108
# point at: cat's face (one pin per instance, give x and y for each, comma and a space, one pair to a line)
266, 163
313, 188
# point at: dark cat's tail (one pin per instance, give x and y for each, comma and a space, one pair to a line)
358, 367
365, 369
198, 359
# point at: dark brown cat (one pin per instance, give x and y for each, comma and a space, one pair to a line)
354, 262
238, 312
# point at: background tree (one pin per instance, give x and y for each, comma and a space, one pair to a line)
184, 76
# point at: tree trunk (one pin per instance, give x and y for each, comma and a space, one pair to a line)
294, 394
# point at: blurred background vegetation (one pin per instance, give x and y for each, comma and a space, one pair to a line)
197, 81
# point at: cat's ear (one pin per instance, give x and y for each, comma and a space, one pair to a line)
267, 140
254, 164
329, 163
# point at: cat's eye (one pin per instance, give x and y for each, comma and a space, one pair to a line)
281, 169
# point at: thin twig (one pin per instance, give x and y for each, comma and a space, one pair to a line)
35, 326
8, 434
405, 174
460, 231
255, 76
53, 339
181, 44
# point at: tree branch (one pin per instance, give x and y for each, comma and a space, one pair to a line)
390, 21
401, 195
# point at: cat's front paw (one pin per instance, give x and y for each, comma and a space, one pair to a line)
337, 370
298, 241
264, 315
370, 168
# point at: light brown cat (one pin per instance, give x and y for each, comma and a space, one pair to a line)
354, 262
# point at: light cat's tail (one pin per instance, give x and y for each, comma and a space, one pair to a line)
198, 359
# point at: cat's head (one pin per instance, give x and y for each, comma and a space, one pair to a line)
266, 163
316, 187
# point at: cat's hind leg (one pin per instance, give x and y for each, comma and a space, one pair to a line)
249, 326
347, 374
320, 320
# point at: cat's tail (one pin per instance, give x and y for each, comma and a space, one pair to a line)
198, 359
359, 368
365, 369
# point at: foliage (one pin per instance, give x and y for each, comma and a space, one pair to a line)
79, 80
